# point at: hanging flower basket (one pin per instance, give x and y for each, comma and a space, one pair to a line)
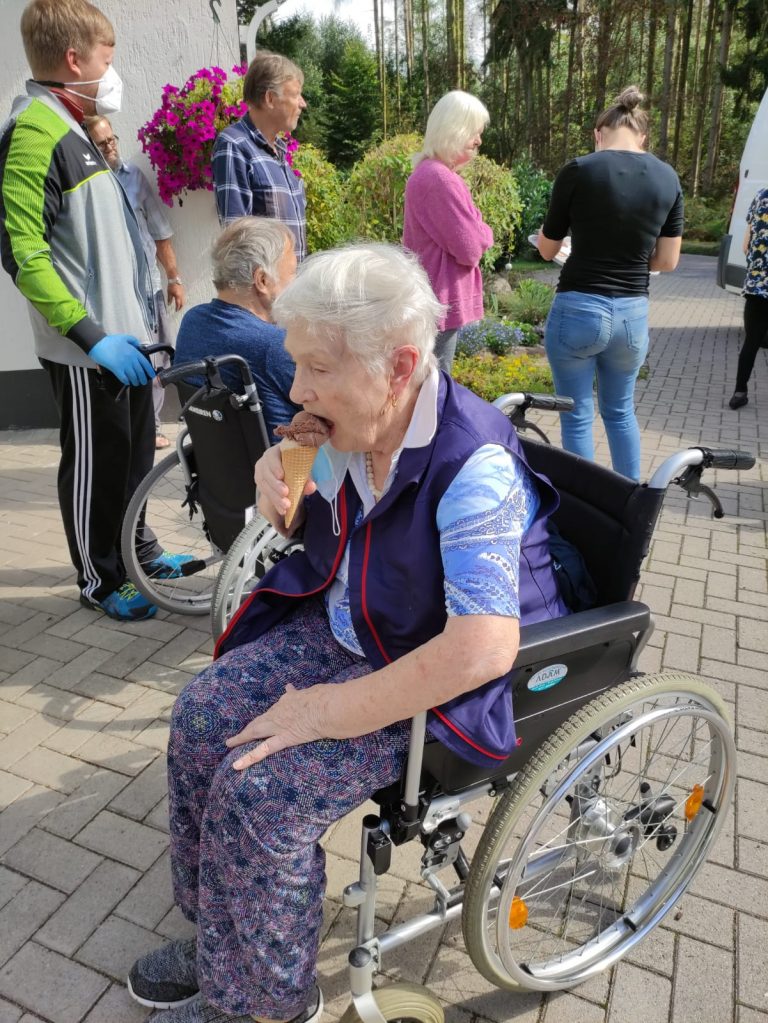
179, 137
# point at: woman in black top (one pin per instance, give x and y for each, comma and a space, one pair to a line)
624, 210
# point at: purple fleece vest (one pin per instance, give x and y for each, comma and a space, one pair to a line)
397, 599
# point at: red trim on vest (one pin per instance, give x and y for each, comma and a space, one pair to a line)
368, 622
281, 593
388, 659
469, 742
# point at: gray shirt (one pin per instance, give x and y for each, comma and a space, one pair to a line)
153, 223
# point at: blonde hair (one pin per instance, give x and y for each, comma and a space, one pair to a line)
268, 72
51, 27
455, 119
624, 112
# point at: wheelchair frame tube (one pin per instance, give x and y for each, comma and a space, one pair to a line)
415, 758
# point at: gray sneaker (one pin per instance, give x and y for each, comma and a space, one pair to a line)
167, 977
200, 1011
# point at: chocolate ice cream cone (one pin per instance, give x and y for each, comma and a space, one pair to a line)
297, 465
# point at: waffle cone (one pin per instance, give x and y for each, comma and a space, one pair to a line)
297, 464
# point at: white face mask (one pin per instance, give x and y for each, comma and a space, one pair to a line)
109, 95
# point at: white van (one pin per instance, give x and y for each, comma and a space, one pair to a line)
753, 175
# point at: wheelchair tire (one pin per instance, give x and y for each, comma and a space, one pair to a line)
403, 1002
579, 860
249, 557
163, 493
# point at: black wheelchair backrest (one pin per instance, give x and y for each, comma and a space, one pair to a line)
226, 444
608, 517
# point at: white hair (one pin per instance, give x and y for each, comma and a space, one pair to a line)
455, 119
245, 245
373, 297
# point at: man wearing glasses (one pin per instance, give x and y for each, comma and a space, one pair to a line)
156, 233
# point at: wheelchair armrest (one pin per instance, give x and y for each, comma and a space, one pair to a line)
559, 636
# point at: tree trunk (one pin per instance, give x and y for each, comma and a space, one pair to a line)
397, 64
667, 83
569, 82
703, 96
425, 55
682, 78
603, 54
717, 98
650, 68
408, 32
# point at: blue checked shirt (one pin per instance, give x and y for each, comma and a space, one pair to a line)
253, 179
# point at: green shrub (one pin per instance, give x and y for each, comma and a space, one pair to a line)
327, 224
490, 376
529, 302
535, 189
376, 189
706, 220
494, 191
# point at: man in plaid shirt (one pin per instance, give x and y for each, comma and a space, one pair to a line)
251, 174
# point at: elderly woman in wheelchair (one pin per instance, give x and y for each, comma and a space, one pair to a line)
384, 660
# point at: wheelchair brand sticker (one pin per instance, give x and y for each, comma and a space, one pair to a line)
547, 677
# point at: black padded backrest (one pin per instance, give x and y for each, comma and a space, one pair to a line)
227, 443
608, 517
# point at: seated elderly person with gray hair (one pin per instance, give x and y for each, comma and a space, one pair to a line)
425, 548
253, 260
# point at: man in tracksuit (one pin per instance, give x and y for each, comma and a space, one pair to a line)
71, 243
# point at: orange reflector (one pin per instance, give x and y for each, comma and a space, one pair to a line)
518, 914
693, 802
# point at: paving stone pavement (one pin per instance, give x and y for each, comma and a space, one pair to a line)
84, 877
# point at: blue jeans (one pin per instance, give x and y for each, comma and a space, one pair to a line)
588, 334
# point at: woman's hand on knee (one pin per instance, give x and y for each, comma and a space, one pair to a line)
296, 718
273, 499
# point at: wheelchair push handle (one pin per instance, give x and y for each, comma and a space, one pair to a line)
209, 368
687, 467
147, 350
728, 459
521, 401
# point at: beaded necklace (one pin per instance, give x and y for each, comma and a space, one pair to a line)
370, 477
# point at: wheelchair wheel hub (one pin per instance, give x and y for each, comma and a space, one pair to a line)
604, 837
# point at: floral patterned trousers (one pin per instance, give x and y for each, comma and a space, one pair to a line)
247, 867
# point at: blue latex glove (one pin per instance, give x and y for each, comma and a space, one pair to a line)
119, 353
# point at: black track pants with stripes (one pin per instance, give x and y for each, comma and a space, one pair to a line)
107, 448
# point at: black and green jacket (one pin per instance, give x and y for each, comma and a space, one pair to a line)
68, 236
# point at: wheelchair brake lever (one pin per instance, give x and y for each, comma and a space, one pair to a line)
690, 482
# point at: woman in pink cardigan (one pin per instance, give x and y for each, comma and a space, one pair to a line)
443, 227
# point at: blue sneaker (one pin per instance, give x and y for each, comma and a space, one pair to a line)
124, 604
168, 566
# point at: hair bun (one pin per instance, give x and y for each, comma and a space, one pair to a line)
630, 98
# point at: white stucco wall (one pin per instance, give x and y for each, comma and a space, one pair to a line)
158, 41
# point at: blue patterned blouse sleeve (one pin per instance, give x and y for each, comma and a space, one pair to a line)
481, 518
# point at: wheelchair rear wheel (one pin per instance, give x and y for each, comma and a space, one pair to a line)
256, 549
160, 506
403, 1002
600, 834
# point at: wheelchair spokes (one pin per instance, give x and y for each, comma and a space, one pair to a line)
572, 874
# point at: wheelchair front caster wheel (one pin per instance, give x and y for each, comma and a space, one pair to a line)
403, 1002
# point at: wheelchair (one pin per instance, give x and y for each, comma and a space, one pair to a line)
604, 811
197, 500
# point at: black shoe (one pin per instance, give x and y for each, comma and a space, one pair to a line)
738, 398
167, 977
